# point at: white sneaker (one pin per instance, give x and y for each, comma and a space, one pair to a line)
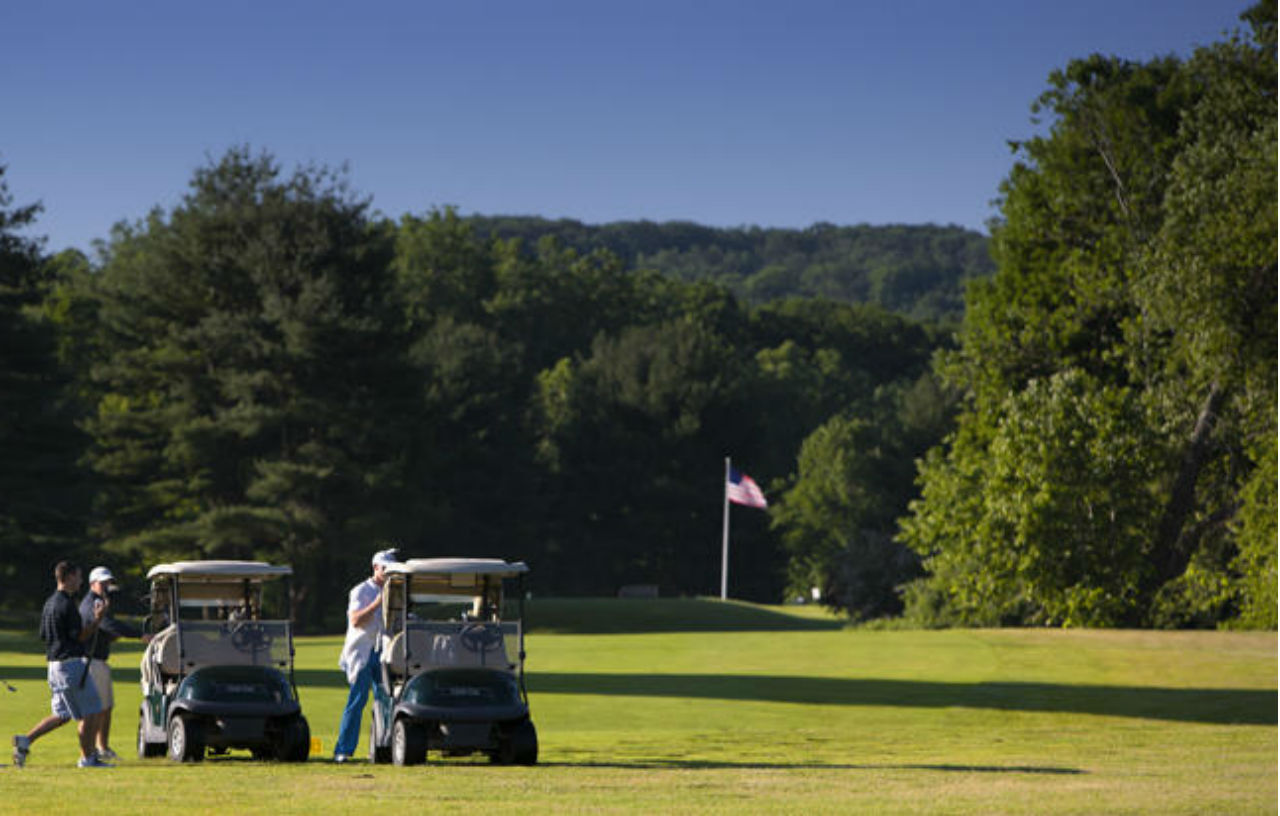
340, 758
21, 747
92, 761
107, 755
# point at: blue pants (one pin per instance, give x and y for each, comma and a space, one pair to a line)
349, 730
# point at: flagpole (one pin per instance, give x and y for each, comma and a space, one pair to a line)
724, 542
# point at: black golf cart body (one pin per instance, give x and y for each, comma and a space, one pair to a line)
452, 670
218, 675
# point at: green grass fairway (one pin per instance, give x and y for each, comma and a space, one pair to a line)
701, 707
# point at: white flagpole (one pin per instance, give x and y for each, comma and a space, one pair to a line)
724, 543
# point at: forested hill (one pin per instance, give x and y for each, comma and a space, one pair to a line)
918, 271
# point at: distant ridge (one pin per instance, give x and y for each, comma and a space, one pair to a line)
918, 271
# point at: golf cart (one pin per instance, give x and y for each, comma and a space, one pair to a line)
452, 672
216, 674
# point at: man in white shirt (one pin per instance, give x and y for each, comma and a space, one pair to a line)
360, 652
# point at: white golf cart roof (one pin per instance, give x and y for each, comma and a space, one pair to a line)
450, 580
493, 567
219, 571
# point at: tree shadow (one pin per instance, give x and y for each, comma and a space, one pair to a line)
1192, 705
1198, 705
129, 674
694, 764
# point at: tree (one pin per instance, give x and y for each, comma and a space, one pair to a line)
1047, 520
252, 378
42, 492
838, 515
1134, 302
1207, 296
837, 519
1256, 532
626, 433
918, 271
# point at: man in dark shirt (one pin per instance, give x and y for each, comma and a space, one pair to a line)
101, 581
72, 697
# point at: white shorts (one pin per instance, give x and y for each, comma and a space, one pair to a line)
71, 700
100, 676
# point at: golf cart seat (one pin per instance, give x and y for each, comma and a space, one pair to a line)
161, 663
419, 647
430, 650
163, 652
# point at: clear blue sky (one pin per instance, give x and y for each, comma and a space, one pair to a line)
725, 113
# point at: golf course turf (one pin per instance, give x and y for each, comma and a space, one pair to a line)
691, 706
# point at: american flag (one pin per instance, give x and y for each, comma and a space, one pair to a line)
742, 489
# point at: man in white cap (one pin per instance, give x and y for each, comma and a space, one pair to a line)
360, 651
101, 582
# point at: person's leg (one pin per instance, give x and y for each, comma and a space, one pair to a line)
60, 712
22, 742
375, 680
80, 697
100, 676
103, 738
45, 726
349, 729
87, 730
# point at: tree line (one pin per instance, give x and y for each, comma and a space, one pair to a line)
915, 270
266, 370
269, 370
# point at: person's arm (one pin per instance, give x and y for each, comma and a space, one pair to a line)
359, 617
91, 621
116, 629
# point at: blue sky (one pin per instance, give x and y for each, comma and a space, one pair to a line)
776, 114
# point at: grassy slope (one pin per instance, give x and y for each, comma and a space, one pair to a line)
733, 708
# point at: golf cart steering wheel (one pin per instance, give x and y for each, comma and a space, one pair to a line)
480, 637
248, 636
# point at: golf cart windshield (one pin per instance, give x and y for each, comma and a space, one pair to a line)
442, 588
239, 643
453, 644
216, 590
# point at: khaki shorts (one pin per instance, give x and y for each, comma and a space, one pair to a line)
100, 676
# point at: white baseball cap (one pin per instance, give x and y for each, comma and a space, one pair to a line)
386, 557
102, 574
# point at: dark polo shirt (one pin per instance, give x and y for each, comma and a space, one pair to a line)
60, 628
109, 629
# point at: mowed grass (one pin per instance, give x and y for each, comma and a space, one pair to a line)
701, 707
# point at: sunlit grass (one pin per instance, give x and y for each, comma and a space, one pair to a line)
761, 719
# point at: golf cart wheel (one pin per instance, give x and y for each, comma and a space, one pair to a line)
378, 754
186, 739
294, 744
408, 743
517, 745
147, 750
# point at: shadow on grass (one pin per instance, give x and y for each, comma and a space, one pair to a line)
705, 765
1193, 705
1216, 706
693, 765
699, 765
129, 674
